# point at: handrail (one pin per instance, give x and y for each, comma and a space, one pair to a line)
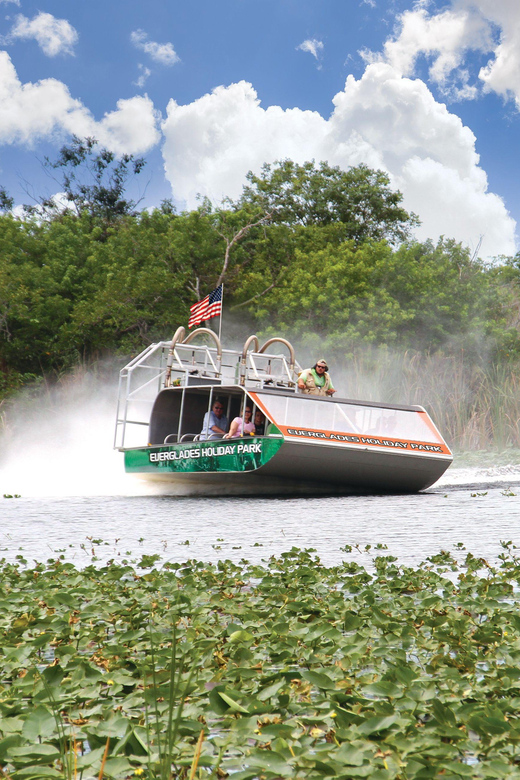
208, 332
177, 336
282, 341
243, 361
247, 345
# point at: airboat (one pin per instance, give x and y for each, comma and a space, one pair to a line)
310, 444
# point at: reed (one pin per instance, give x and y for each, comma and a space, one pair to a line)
474, 401
475, 405
167, 685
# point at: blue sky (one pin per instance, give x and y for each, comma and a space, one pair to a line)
206, 91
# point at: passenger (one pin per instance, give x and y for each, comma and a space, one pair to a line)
215, 422
236, 429
316, 380
259, 423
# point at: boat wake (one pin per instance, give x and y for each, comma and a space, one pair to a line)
479, 478
59, 443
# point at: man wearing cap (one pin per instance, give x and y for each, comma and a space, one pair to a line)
316, 380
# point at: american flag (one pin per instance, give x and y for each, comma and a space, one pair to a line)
208, 307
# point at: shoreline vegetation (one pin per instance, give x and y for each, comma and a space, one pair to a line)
325, 257
285, 669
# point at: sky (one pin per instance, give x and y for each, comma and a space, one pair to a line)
206, 91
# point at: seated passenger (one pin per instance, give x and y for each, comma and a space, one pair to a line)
237, 429
259, 423
215, 422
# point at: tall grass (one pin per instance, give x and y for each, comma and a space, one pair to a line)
474, 402
476, 406
163, 721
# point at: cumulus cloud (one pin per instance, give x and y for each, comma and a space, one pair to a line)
502, 72
32, 111
313, 46
211, 143
163, 53
54, 36
446, 37
383, 119
429, 154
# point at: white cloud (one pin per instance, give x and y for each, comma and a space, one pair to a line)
145, 74
32, 111
164, 53
56, 203
446, 37
16, 2
383, 119
211, 143
313, 46
502, 72
54, 36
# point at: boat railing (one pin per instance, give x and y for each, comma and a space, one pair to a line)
264, 369
182, 363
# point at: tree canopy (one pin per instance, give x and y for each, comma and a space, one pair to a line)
309, 251
360, 199
95, 180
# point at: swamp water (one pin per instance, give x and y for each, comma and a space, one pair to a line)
56, 453
474, 507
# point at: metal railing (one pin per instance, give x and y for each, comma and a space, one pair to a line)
180, 363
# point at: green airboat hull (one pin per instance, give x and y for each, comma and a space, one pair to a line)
279, 465
202, 457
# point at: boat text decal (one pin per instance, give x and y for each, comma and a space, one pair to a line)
208, 451
230, 455
372, 441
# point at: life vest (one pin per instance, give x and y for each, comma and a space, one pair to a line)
311, 388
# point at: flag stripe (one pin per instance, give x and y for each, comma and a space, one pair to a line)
208, 307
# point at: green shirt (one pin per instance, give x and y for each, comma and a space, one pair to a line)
319, 381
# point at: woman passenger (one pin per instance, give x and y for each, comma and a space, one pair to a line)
236, 429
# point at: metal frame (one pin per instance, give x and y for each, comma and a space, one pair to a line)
179, 362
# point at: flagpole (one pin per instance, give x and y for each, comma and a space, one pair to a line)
221, 310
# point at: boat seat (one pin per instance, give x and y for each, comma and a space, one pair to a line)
190, 437
170, 439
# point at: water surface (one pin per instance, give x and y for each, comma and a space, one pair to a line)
475, 508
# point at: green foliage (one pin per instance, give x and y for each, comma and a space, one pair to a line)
360, 199
310, 251
282, 669
6, 202
417, 295
94, 181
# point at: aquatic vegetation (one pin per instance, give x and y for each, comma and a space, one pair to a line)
282, 669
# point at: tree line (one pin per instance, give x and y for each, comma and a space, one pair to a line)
308, 251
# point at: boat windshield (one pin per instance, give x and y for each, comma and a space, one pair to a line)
345, 417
